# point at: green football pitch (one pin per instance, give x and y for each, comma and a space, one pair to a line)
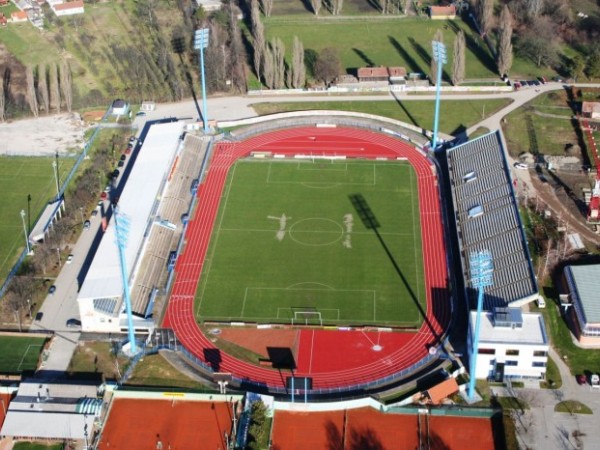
316, 242
19, 353
20, 177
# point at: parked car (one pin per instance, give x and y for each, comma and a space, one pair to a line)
123, 157
521, 166
73, 323
94, 213
103, 195
140, 113
39, 316
115, 173
87, 223
581, 379
121, 163
52, 289
69, 259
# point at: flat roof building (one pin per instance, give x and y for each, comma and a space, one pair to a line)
583, 283
100, 298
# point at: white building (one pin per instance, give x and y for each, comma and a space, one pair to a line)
119, 107
69, 8
512, 344
583, 283
100, 299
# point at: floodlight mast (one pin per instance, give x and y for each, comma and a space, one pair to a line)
439, 56
481, 276
200, 43
122, 232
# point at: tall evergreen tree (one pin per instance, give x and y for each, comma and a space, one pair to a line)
43, 88
298, 77
486, 15
31, 92
505, 50
258, 34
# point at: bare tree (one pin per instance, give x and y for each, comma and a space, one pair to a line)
267, 6
439, 37
2, 99
66, 84
505, 49
327, 66
486, 15
278, 51
43, 88
54, 88
298, 77
405, 5
268, 67
336, 7
31, 92
534, 9
258, 33
458, 64
316, 6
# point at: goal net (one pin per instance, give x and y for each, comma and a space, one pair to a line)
307, 316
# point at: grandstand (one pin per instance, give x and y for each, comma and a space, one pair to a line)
487, 218
100, 298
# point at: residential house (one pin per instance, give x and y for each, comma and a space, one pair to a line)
591, 110
68, 9
119, 108
3, 20
442, 12
4, 3
18, 16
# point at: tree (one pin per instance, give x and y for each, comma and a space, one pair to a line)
267, 6
316, 6
592, 67
258, 33
2, 99
458, 65
505, 51
576, 66
336, 7
278, 49
439, 37
298, 77
66, 84
534, 9
31, 92
486, 15
268, 67
327, 66
54, 88
538, 43
43, 88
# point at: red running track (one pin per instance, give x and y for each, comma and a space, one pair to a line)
357, 357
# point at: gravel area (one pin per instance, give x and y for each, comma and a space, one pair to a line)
45, 135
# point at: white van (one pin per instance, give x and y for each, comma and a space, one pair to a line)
541, 303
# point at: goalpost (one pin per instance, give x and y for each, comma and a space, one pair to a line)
306, 316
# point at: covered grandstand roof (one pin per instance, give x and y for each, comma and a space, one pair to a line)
137, 200
487, 218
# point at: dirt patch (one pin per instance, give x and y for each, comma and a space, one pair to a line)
62, 133
257, 340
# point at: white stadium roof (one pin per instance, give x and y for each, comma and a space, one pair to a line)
137, 200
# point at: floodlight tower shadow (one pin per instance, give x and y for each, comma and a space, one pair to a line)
370, 222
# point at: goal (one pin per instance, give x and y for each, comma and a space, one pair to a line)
307, 316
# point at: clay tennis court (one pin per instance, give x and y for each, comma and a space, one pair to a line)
139, 424
360, 356
367, 428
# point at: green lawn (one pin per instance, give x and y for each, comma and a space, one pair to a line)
36, 446
20, 177
572, 407
454, 114
290, 237
19, 353
28, 45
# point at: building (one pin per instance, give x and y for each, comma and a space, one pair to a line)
69, 8
487, 218
583, 283
442, 12
3, 20
591, 110
4, 2
119, 108
512, 344
381, 74
18, 16
100, 298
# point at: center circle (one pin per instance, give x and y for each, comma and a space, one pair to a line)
316, 231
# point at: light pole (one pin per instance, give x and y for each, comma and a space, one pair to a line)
25, 231
200, 43
58, 254
481, 269
81, 211
29, 306
85, 433
55, 166
439, 56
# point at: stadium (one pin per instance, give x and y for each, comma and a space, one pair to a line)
320, 246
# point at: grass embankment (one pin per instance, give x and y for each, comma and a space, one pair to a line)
455, 115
